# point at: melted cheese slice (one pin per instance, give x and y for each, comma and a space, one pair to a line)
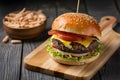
66, 43
85, 42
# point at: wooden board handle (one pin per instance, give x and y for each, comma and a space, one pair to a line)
107, 22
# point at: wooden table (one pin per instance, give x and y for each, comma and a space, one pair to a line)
12, 55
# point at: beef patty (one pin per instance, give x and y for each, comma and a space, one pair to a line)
75, 47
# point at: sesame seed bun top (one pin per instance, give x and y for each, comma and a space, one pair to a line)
78, 23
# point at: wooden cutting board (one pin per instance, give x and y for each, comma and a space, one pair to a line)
39, 59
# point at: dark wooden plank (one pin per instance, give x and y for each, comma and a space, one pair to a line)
117, 3
49, 8
102, 8
10, 54
10, 57
111, 70
64, 6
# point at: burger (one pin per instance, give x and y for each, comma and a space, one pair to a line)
75, 39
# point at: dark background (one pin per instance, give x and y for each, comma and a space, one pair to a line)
11, 56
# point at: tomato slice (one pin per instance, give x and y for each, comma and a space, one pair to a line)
67, 35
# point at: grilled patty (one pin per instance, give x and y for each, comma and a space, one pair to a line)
75, 47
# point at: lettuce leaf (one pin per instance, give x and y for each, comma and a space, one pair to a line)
70, 57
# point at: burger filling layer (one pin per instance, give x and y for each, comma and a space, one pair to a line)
69, 56
82, 46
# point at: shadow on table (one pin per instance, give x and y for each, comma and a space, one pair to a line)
42, 37
117, 28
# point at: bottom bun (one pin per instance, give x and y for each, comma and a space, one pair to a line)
72, 62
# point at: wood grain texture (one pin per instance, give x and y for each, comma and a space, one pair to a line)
49, 8
95, 9
85, 72
108, 8
10, 60
117, 3
10, 55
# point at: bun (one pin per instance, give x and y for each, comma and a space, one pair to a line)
78, 23
71, 62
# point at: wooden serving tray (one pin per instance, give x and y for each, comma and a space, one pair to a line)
39, 59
